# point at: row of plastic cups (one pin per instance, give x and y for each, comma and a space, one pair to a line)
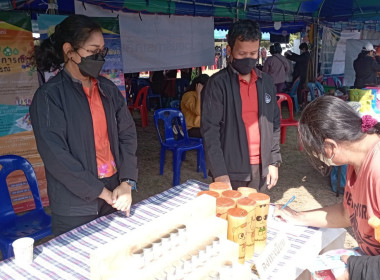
191, 261
159, 246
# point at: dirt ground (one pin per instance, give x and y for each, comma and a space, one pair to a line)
296, 176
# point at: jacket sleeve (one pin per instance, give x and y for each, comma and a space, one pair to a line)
266, 66
211, 120
276, 155
364, 267
376, 64
49, 126
286, 64
127, 140
294, 57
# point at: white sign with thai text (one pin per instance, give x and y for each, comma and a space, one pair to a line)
273, 252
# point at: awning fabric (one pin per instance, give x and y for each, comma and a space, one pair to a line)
294, 14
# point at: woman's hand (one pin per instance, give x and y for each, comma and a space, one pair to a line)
122, 198
198, 88
106, 195
288, 215
345, 275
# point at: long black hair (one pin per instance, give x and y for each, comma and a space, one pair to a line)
75, 29
332, 118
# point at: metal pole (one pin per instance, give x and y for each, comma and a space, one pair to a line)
51, 7
316, 47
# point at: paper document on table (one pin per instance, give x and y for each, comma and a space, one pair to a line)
303, 241
329, 263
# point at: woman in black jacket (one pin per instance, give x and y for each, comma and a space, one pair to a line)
84, 132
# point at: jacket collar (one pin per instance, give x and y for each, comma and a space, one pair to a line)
78, 83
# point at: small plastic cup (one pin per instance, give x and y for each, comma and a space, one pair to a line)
23, 250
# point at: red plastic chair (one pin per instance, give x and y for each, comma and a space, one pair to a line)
281, 97
140, 104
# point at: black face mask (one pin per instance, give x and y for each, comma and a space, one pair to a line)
245, 65
90, 66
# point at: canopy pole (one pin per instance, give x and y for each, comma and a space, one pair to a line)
316, 48
51, 7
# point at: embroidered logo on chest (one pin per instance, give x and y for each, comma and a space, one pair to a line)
268, 98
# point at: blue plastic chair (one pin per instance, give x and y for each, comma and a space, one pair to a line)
35, 223
337, 82
293, 94
171, 117
312, 89
321, 89
174, 104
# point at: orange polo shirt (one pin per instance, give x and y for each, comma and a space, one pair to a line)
104, 158
250, 115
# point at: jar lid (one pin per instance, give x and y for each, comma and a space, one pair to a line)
231, 194
237, 212
259, 197
246, 201
219, 186
212, 193
224, 202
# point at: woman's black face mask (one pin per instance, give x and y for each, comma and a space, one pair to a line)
90, 66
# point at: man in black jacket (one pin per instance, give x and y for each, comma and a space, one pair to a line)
366, 67
240, 120
300, 68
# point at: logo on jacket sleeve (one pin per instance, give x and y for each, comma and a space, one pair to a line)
268, 98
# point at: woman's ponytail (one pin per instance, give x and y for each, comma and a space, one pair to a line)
48, 56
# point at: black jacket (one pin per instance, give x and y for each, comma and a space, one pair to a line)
302, 63
63, 128
223, 129
364, 267
366, 68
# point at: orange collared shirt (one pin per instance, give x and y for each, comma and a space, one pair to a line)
250, 115
104, 158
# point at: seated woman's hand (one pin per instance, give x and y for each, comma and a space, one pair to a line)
287, 215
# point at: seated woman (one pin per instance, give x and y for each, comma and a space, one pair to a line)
332, 133
191, 105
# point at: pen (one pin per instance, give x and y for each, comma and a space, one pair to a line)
289, 201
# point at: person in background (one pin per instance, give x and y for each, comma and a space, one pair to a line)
191, 105
186, 74
366, 67
263, 54
277, 66
300, 68
84, 132
342, 137
157, 81
240, 120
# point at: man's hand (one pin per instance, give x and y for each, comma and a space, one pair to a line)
272, 176
122, 198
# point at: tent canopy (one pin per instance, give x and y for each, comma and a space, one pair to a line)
293, 14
